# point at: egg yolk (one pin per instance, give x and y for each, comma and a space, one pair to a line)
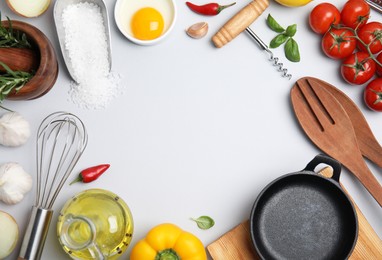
147, 24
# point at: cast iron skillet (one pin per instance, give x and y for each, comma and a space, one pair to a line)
303, 215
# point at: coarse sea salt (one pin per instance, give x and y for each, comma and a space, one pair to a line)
87, 47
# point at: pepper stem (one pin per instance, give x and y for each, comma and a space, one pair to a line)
222, 7
167, 254
78, 179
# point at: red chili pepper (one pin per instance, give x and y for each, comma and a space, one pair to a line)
91, 174
208, 9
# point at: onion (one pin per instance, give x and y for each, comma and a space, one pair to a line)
28, 8
9, 234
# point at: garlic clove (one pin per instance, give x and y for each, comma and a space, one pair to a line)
14, 129
198, 30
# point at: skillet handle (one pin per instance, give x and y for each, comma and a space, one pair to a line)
321, 158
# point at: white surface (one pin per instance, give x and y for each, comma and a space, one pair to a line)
198, 130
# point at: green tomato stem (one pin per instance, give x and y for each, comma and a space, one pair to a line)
367, 46
379, 96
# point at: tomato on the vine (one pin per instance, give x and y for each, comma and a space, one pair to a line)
379, 68
323, 16
371, 34
355, 13
338, 43
358, 68
373, 94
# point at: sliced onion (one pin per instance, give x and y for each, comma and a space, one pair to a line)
28, 8
9, 234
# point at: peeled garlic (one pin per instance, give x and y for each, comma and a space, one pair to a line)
197, 30
14, 183
14, 129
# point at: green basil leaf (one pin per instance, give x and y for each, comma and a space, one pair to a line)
275, 26
204, 222
278, 40
291, 30
291, 50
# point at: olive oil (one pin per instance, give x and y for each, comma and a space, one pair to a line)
95, 224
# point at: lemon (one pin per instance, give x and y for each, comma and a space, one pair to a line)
293, 3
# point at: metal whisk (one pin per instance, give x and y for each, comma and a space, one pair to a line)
61, 140
272, 58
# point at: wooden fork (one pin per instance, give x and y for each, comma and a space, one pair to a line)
327, 124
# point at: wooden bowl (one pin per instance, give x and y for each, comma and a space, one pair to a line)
47, 72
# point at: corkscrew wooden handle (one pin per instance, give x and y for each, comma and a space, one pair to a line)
239, 22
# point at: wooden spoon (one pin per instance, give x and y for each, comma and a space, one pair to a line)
367, 142
327, 124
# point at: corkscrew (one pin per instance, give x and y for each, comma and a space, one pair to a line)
272, 58
375, 4
240, 22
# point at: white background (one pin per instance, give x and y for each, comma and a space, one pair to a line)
198, 130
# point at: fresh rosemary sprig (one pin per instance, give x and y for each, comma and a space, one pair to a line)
12, 80
12, 38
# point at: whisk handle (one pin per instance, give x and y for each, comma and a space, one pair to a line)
35, 234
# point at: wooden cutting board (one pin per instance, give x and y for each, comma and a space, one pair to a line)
236, 244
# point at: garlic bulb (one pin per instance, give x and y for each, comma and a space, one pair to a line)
14, 183
14, 129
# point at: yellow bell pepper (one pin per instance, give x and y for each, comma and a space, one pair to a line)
168, 242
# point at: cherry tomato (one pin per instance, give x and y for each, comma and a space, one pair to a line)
371, 34
373, 94
338, 43
379, 68
358, 68
323, 16
355, 13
